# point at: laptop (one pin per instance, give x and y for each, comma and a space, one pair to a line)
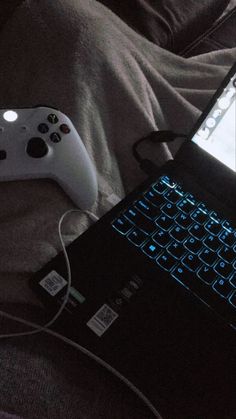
154, 280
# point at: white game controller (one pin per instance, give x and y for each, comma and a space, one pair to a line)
42, 142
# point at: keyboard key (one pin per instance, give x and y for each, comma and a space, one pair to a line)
122, 225
227, 253
227, 238
170, 209
161, 237
140, 220
186, 206
191, 198
193, 244
182, 275
191, 262
203, 208
208, 256
137, 237
215, 216
166, 261
228, 226
168, 181
160, 187
151, 249
223, 268
207, 274
172, 196
223, 287
179, 233
233, 280
155, 198
179, 190
176, 249
232, 299
183, 220
164, 222
199, 216
212, 242
213, 227
198, 231
147, 208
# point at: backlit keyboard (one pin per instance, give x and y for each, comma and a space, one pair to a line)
182, 236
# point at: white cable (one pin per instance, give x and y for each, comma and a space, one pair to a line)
58, 313
38, 328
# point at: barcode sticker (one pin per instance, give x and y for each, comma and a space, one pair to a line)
102, 320
53, 283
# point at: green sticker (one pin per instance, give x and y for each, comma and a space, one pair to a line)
76, 294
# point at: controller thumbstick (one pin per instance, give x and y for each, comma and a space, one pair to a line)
37, 147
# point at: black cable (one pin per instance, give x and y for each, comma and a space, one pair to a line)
164, 136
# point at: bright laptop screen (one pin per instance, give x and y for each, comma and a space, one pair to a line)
217, 133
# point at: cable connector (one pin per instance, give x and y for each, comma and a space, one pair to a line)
164, 136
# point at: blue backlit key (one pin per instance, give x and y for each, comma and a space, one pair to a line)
193, 244
186, 206
227, 238
166, 261
147, 208
227, 253
140, 220
172, 196
199, 216
233, 280
151, 249
182, 275
213, 227
137, 236
170, 209
179, 233
207, 274
232, 299
164, 222
183, 220
223, 268
160, 187
198, 231
223, 287
212, 242
162, 238
154, 197
122, 225
176, 249
208, 256
191, 262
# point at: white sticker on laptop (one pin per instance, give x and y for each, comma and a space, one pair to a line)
102, 320
53, 283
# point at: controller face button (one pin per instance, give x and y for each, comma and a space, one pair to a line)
55, 137
43, 128
64, 128
37, 148
3, 154
52, 118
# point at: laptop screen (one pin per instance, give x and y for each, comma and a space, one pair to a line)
217, 133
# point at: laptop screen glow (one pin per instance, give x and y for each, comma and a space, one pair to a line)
217, 133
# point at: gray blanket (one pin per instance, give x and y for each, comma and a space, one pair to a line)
116, 87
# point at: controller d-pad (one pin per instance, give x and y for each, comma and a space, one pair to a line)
36, 148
